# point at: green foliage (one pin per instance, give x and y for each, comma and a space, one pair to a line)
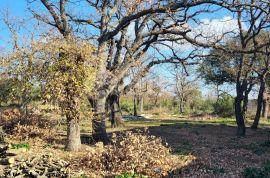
15, 91
263, 172
217, 68
207, 106
20, 145
126, 105
224, 106
131, 175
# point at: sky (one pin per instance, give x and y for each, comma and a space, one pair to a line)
215, 23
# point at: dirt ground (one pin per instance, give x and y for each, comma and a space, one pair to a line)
219, 152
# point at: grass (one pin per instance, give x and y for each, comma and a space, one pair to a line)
132, 124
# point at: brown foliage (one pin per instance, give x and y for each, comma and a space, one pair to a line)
23, 127
129, 152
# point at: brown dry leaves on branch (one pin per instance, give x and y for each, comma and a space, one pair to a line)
129, 152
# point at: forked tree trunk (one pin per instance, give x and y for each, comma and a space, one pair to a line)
259, 104
241, 102
116, 114
98, 122
73, 133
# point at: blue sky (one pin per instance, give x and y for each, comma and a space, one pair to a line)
18, 9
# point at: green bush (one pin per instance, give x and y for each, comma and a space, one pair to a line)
206, 106
224, 106
126, 106
20, 145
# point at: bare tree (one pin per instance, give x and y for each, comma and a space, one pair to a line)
183, 85
253, 18
262, 70
153, 22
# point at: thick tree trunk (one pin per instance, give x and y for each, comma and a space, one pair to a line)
240, 120
98, 122
73, 133
259, 104
241, 129
116, 114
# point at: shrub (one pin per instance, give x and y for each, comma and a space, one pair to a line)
206, 106
224, 106
126, 106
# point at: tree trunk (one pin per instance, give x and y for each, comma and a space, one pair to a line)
98, 122
134, 106
265, 108
259, 104
265, 104
181, 105
240, 120
73, 133
141, 105
116, 114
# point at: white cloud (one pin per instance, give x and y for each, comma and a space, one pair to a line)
208, 30
214, 29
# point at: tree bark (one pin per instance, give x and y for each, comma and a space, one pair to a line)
116, 114
259, 103
141, 104
240, 120
265, 108
181, 105
135, 106
98, 122
265, 104
73, 133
